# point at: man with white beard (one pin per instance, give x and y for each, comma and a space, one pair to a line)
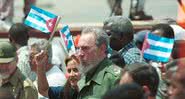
11, 77
99, 73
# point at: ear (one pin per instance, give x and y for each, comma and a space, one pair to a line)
146, 90
11, 40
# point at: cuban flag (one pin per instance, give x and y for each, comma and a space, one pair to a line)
157, 48
41, 20
68, 39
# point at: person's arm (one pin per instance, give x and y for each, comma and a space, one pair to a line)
41, 61
55, 92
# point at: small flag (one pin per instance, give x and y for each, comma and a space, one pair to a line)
41, 20
68, 39
157, 48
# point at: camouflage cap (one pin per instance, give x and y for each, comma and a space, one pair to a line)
118, 24
7, 52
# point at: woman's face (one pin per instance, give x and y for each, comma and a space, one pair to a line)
72, 72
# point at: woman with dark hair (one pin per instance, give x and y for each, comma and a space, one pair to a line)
70, 89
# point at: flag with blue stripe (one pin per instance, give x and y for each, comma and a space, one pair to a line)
41, 20
157, 48
68, 39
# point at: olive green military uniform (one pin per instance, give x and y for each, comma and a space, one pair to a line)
21, 87
103, 79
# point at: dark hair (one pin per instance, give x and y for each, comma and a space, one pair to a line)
66, 93
70, 58
19, 33
165, 29
144, 74
125, 91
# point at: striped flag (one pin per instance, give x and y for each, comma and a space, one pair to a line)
68, 39
41, 20
157, 48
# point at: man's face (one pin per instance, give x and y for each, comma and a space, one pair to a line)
6, 69
176, 90
115, 42
32, 53
114, 38
88, 52
72, 72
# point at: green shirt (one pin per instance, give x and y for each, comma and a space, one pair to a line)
21, 87
103, 79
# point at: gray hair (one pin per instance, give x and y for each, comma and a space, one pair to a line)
41, 44
101, 36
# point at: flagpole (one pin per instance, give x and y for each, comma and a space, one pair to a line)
54, 30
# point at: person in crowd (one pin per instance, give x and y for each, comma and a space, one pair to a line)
170, 70
115, 7
166, 31
136, 9
178, 49
179, 44
176, 89
163, 30
18, 36
120, 29
99, 74
7, 12
143, 74
11, 77
125, 91
181, 13
73, 76
70, 89
54, 75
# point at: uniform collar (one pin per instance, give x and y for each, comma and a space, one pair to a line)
16, 77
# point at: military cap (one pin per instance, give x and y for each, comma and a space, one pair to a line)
7, 52
118, 24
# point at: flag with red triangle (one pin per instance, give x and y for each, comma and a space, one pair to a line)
41, 20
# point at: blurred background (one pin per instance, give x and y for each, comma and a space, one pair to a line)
74, 11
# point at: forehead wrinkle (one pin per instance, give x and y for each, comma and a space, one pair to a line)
86, 40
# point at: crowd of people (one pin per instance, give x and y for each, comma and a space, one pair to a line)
109, 63
27, 70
